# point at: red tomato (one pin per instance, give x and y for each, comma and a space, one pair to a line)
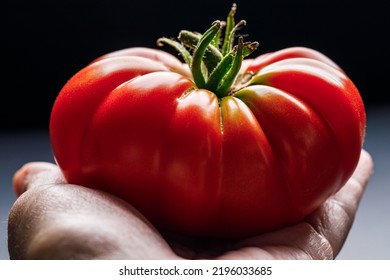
251, 148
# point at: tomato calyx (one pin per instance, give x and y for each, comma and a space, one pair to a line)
214, 65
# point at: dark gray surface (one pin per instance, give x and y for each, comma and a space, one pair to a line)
368, 239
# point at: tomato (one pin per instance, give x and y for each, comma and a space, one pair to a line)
222, 146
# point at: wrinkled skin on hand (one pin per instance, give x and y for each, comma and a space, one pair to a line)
55, 220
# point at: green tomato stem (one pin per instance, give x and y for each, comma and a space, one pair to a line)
213, 68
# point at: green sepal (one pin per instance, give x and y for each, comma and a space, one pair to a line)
229, 29
212, 55
230, 76
219, 72
200, 49
179, 47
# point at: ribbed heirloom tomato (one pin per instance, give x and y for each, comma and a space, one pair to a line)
221, 145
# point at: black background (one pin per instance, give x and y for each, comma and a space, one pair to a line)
46, 42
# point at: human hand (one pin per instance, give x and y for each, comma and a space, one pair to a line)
55, 220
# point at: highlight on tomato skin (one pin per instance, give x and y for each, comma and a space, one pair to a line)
217, 142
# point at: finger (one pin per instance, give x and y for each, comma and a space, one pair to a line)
36, 174
348, 197
335, 217
64, 221
56, 220
322, 234
359, 179
297, 242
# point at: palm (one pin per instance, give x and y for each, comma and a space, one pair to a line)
81, 223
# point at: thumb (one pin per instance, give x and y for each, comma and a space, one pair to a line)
36, 174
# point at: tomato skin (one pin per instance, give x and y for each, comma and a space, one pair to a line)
134, 124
